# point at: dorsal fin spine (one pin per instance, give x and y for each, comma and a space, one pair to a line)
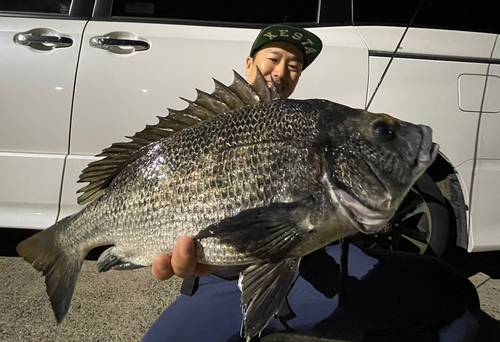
100, 173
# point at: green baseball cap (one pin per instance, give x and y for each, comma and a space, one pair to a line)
305, 41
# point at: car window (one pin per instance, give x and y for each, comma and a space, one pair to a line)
481, 16
220, 10
36, 6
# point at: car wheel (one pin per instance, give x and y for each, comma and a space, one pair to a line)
420, 225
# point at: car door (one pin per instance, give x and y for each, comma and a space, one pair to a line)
138, 58
40, 43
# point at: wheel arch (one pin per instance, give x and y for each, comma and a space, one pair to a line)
443, 173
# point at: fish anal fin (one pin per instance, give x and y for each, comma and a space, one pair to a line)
264, 288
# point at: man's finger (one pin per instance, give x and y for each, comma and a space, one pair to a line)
184, 257
161, 268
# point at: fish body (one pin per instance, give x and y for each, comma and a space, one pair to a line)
260, 185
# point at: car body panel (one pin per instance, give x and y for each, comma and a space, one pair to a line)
436, 91
36, 93
471, 89
29, 183
426, 92
484, 208
37, 88
489, 136
344, 57
133, 89
73, 167
429, 41
484, 213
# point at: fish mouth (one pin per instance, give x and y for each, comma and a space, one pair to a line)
366, 220
428, 149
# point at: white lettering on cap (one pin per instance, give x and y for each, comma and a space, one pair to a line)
297, 35
270, 35
308, 41
309, 50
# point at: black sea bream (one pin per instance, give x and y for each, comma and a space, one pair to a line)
255, 179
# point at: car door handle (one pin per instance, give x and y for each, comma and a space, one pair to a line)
111, 44
42, 41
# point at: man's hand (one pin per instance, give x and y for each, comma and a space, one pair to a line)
182, 263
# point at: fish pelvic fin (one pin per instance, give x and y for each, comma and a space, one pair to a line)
99, 174
59, 266
264, 288
115, 259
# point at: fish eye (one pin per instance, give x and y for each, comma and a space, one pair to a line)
382, 131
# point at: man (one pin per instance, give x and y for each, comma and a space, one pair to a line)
373, 305
281, 52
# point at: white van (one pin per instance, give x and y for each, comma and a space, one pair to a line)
78, 75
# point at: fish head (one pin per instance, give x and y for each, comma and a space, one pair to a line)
372, 161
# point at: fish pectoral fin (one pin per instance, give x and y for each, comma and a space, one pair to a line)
113, 258
263, 291
267, 233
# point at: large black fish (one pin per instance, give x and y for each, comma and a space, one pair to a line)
257, 180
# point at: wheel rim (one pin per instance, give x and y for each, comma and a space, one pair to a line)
409, 230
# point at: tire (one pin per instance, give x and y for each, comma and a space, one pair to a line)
420, 225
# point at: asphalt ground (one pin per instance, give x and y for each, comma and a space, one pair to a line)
118, 306
121, 306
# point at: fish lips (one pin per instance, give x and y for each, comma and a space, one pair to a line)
427, 153
428, 149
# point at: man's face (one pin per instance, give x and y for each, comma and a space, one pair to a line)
280, 61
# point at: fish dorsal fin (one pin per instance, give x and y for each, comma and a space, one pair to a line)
100, 173
265, 93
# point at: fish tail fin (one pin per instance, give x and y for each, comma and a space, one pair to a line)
59, 266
